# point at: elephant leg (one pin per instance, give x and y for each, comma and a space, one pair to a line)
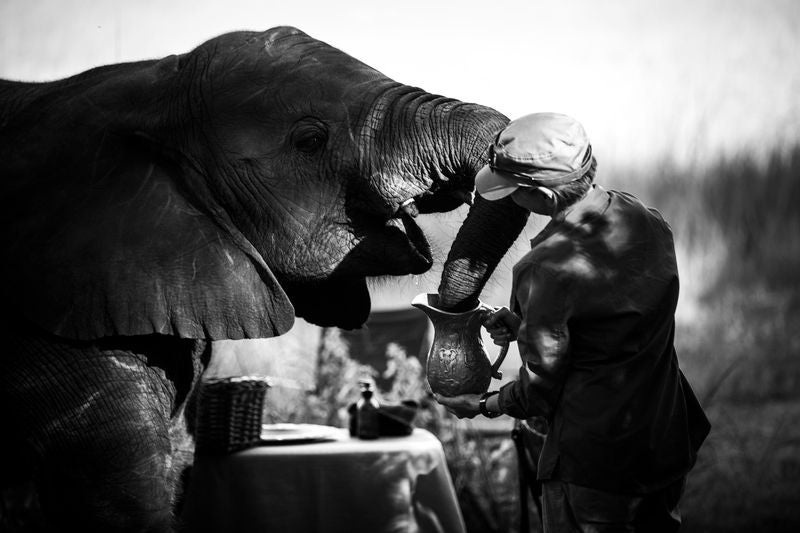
98, 420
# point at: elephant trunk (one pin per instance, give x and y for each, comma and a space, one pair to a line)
486, 235
434, 147
467, 131
490, 228
425, 147
461, 134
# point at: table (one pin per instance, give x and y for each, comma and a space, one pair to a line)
391, 484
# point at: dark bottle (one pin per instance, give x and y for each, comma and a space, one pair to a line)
367, 412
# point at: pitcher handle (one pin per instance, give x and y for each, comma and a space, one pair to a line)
495, 368
496, 373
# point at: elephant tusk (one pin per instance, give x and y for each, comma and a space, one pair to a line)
410, 208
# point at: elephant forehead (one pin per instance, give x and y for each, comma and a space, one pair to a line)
273, 35
280, 56
235, 41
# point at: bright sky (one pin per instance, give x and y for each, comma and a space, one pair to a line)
683, 78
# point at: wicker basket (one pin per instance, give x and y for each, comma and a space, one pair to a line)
229, 414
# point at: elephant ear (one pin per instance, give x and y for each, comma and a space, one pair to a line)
141, 259
107, 242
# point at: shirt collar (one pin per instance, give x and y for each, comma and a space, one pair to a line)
594, 203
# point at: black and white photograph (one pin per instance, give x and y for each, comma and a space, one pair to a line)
429, 266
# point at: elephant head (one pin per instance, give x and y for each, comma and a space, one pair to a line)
211, 195
219, 193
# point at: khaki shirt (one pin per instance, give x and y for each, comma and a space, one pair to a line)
597, 295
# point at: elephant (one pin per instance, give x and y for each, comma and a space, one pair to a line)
156, 206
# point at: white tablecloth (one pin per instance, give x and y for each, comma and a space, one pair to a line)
392, 484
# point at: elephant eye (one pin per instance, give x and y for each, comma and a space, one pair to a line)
309, 136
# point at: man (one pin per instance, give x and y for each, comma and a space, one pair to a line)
592, 309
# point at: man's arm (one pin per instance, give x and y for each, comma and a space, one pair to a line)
545, 301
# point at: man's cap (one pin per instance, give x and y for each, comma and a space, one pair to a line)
536, 150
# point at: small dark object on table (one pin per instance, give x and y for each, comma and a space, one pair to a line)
394, 420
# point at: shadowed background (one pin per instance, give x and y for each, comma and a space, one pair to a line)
694, 106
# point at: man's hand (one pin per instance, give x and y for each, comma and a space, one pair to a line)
502, 325
463, 406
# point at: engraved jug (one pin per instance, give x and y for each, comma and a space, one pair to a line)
457, 362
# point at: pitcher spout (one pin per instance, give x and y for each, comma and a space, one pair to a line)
425, 300
429, 303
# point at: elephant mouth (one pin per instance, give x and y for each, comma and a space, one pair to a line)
418, 250
396, 246
342, 303
390, 246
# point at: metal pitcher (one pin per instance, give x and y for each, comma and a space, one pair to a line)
457, 362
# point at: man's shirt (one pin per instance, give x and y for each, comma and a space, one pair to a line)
597, 296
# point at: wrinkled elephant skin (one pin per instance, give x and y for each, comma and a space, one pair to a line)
152, 207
